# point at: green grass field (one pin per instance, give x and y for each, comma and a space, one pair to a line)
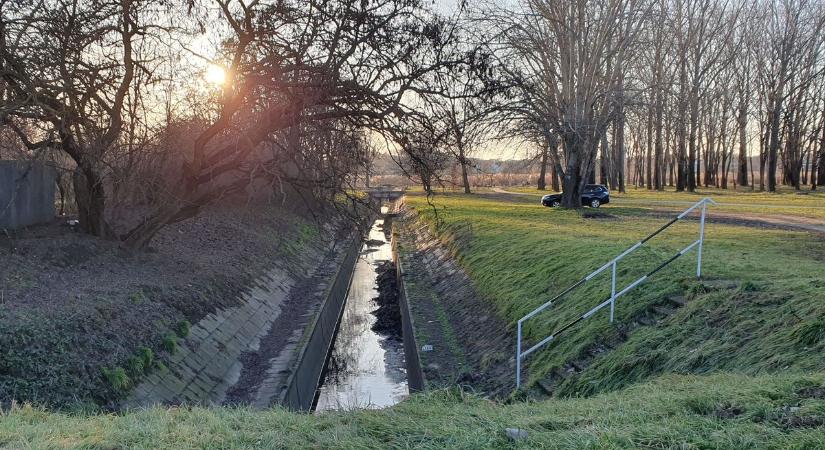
686, 412
521, 255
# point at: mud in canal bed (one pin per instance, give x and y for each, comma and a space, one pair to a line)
367, 368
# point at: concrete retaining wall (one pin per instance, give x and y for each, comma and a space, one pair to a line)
415, 376
303, 382
26, 193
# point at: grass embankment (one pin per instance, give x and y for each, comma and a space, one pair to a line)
520, 255
720, 411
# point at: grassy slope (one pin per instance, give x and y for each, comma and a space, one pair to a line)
721, 411
520, 255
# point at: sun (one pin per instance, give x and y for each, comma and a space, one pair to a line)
215, 75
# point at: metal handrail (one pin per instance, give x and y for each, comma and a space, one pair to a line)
613, 294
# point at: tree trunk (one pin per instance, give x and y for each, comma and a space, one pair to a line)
462, 160
818, 172
681, 157
658, 178
807, 168
465, 179
742, 170
90, 198
574, 179
557, 171
555, 175
542, 183
141, 235
649, 152
621, 150
763, 153
604, 171
691, 163
773, 143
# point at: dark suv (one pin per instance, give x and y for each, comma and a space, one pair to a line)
594, 195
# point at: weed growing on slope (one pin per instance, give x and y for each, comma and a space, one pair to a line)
117, 378
170, 343
183, 328
810, 332
137, 298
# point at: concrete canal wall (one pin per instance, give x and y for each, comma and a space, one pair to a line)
467, 343
317, 344
415, 377
207, 363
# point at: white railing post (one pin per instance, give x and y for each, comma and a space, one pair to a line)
613, 292
518, 357
701, 239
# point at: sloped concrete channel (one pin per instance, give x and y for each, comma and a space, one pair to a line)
458, 337
207, 365
258, 353
248, 354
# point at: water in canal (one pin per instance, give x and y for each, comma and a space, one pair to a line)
366, 369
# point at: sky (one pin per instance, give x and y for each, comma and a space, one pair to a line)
490, 149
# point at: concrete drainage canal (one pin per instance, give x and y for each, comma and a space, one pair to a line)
366, 366
333, 341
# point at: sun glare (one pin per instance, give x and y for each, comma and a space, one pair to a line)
215, 75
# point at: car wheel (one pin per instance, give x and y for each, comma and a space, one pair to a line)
595, 203
555, 204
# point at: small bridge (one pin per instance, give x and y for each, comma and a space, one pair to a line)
385, 193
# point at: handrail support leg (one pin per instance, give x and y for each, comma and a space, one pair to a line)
701, 240
613, 292
518, 357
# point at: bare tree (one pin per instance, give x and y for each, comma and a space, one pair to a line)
75, 73
578, 52
67, 69
464, 107
792, 38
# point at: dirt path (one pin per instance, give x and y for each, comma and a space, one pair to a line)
501, 194
721, 203
768, 221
